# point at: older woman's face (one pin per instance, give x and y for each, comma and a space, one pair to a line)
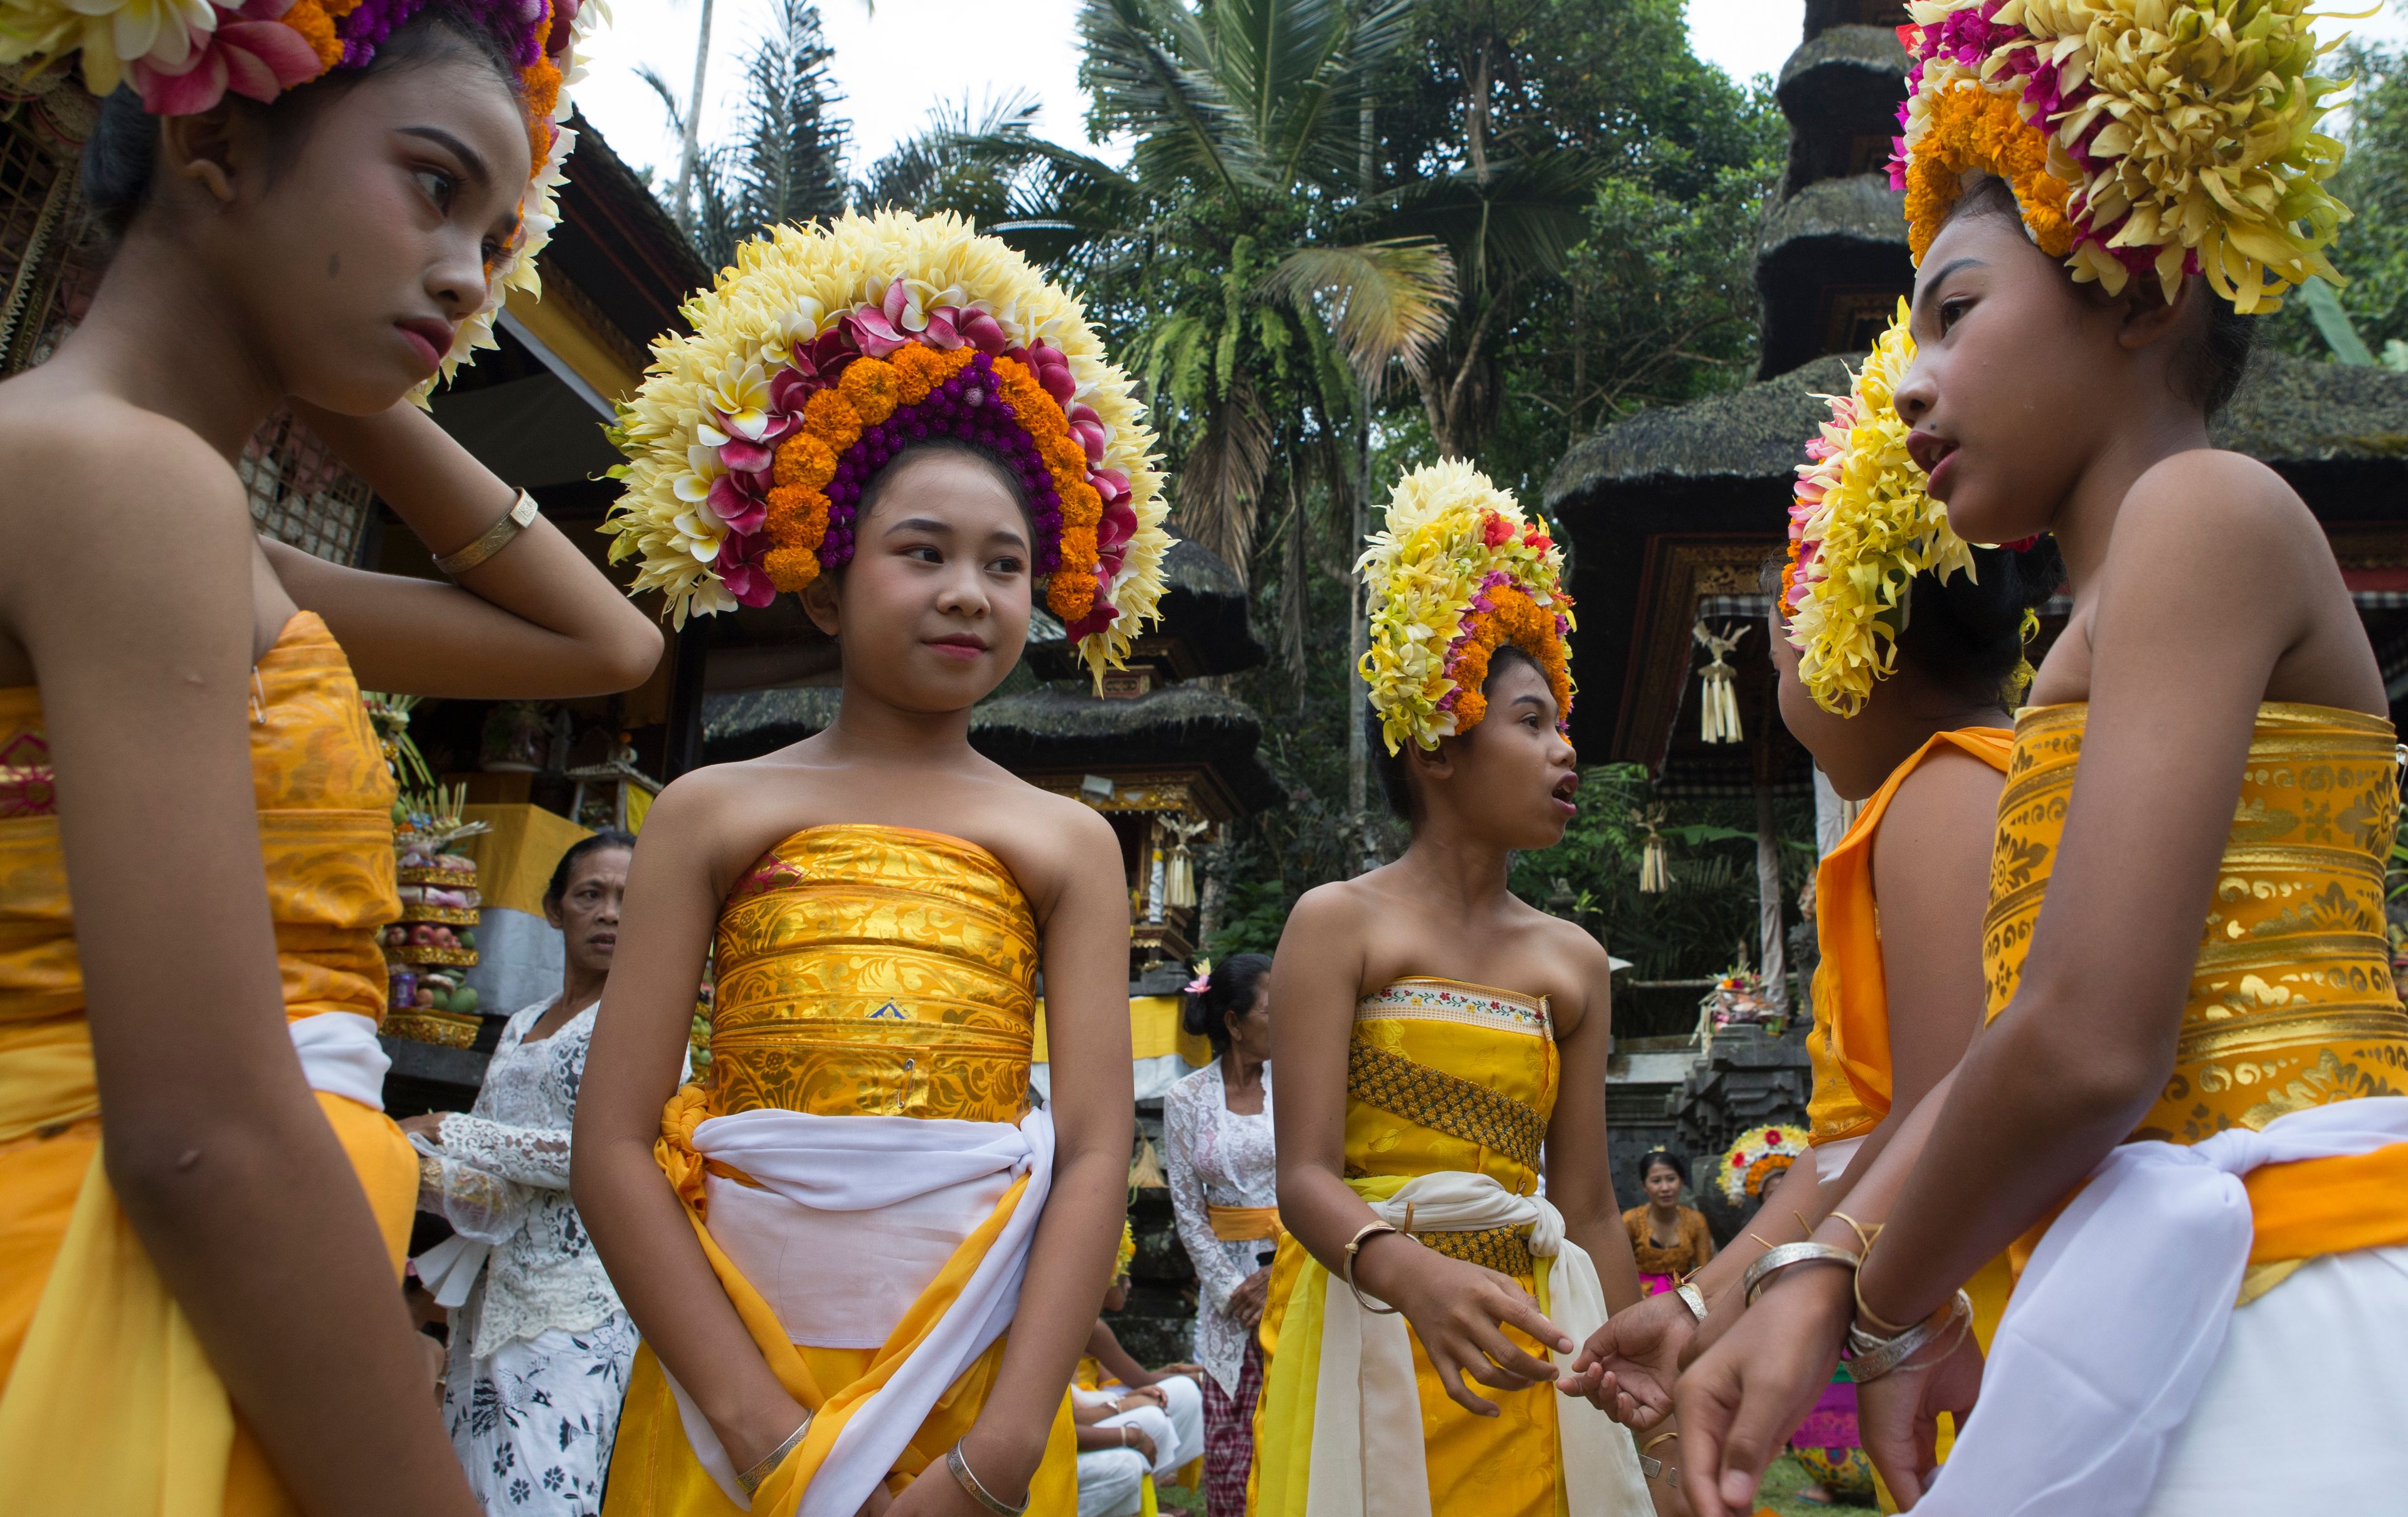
1250, 1030
1663, 1185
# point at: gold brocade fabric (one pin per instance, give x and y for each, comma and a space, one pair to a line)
875, 971
1475, 1095
2291, 1002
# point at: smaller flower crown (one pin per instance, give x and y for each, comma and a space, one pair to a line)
1126, 1253
1860, 529
183, 56
1457, 573
2167, 136
827, 351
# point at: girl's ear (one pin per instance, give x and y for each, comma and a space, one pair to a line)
2148, 319
1434, 763
201, 148
819, 600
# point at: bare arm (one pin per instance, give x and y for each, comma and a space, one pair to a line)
2088, 1041
215, 1146
1456, 1309
639, 1227
535, 619
1086, 951
1104, 1347
1580, 1181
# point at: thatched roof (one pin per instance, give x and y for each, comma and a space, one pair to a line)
1050, 728
1858, 49
1860, 207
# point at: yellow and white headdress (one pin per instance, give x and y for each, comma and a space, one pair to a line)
2173, 136
826, 350
1458, 572
1860, 529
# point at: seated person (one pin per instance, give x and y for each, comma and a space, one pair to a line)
1143, 1422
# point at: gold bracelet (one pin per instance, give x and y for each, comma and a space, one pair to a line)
767, 1464
1884, 1327
1865, 1234
521, 516
1354, 1247
1658, 1438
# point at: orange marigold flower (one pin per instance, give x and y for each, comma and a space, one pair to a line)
1081, 507
807, 460
1984, 131
797, 516
873, 388
791, 568
917, 371
829, 416
1071, 593
1514, 619
539, 83
317, 28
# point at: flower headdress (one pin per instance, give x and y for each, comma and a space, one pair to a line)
2173, 136
1458, 573
182, 56
1860, 530
826, 350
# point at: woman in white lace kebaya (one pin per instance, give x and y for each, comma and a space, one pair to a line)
1224, 1171
539, 1343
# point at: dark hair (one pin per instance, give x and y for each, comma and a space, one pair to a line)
1230, 989
1001, 467
1395, 787
563, 871
121, 158
1667, 1158
2214, 356
1967, 634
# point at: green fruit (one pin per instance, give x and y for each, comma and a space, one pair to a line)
466, 938
464, 999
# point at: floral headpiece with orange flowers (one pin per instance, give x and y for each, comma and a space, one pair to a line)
1861, 527
2173, 136
183, 56
1458, 573
825, 352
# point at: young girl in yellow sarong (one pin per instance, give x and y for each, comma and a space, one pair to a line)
824, 1243
1441, 1045
202, 1205
1904, 710
2190, 1105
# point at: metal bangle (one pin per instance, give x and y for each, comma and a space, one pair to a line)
1692, 1297
1871, 1357
960, 1470
767, 1464
1782, 1256
521, 516
1354, 1247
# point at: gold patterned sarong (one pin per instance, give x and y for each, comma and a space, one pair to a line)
146, 1428
861, 971
2291, 1002
1441, 1076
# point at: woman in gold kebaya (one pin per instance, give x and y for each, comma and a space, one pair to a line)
824, 1243
1441, 1045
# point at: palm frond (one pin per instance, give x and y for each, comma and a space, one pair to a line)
1523, 219
1223, 478
1383, 301
1148, 63
966, 159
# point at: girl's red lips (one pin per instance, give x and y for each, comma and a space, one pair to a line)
959, 645
433, 337
1929, 449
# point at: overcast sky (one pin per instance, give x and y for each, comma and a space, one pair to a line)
893, 64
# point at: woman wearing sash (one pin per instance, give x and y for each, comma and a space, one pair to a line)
1898, 649
1440, 1045
1218, 1154
2189, 1108
202, 1203
823, 1242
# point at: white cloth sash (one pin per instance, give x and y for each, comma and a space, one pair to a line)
341, 1055
1367, 1459
865, 1165
2120, 1315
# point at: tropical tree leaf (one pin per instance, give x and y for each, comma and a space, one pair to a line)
1384, 301
1149, 66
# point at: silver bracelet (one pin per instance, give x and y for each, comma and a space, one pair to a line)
1694, 1298
1869, 1358
960, 1470
1782, 1256
767, 1464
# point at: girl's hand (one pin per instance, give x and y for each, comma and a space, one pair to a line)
1246, 1301
1899, 1417
1739, 1401
1628, 1366
429, 1126
1145, 1393
1459, 1311
934, 1494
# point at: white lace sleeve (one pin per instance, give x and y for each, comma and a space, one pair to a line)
477, 1203
537, 1156
1215, 1276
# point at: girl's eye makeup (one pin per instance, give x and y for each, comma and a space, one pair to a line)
439, 187
1952, 309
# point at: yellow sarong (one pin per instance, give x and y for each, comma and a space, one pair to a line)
108, 1408
1441, 1076
871, 971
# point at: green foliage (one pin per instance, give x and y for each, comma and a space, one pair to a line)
2371, 251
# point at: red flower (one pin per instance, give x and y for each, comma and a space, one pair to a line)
1773, 1135
1494, 531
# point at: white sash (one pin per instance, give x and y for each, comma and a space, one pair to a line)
1367, 1459
341, 1055
865, 1165
2120, 1315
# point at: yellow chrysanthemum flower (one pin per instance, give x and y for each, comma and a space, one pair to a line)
1862, 529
